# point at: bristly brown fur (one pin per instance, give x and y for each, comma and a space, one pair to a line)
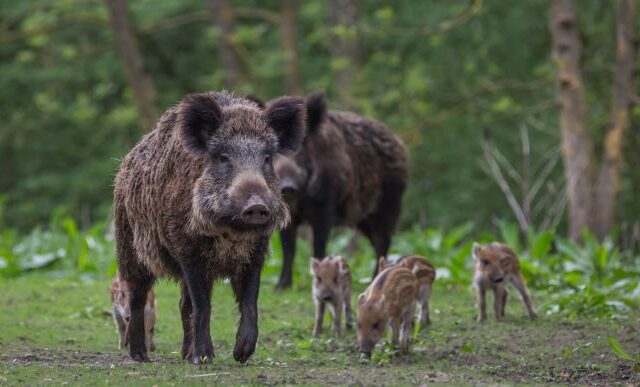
180, 199
355, 173
494, 266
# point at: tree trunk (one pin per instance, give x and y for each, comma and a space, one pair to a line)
608, 185
342, 15
144, 92
577, 147
289, 43
224, 19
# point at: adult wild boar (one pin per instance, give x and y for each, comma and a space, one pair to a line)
196, 200
351, 171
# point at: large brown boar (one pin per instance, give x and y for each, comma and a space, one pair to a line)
351, 171
196, 200
331, 286
389, 300
119, 292
426, 274
495, 265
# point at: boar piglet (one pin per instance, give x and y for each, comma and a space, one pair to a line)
389, 300
495, 265
332, 286
122, 313
196, 200
425, 272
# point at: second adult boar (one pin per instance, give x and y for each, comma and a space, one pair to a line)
351, 171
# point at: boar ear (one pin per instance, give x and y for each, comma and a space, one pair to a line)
198, 118
342, 265
316, 111
287, 115
361, 299
313, 264
382, 300
476, 250
382, 263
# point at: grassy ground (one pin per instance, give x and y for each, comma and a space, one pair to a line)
59, 330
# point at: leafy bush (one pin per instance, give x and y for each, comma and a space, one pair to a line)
569, 279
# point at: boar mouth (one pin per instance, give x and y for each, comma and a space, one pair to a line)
498, 280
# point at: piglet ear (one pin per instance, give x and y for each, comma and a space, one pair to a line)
361, 299
476, 250
382, 264
199, 115
316, 111
313, 264
287, 116
342, 264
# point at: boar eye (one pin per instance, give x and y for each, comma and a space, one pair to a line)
267, 159
376, 326
318, 279
223, 158
335, 279
485, 262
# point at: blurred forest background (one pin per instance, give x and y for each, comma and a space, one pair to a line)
484, 93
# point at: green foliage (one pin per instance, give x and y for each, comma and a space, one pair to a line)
567, 279
68, 115
616, 347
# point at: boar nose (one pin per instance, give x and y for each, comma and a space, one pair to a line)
127, 318
255, 211
498, 279
288, 187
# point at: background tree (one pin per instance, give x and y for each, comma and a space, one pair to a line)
224, 20
592, 199
343, 45
133, 62
289, 39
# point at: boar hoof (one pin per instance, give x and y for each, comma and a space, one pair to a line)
245, 346
481, 319
533, 316
283, 285
140, 357
203, 359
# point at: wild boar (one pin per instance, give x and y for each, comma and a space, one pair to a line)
196, 200
351, 171
331, 285
426, 274
495, 265
389, 300
122, 313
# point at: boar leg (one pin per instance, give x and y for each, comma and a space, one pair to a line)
395, 331
317, 328
187, 325
406, 329
288, 240
322, 219
498, 298
481, 293
425, 293
348, 313
518, 282
122, 328
336, 313
149, 325
136, 334
246, 288
505, 296
200, 294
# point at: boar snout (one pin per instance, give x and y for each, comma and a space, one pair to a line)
497, 278
366, 347
255, 211
288, 187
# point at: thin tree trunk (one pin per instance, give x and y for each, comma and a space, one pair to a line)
342, 15
608, 185
224, 19
144, 92
288, 39
577, 147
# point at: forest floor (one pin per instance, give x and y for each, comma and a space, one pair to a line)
60, 331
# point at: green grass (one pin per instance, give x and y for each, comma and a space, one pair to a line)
59, 330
